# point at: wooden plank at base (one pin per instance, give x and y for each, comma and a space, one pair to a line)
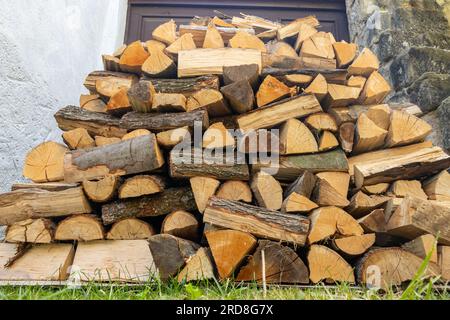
48, 262
114, 261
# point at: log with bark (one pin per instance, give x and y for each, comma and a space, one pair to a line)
267, 191
103, 190
78, 139
235, 190
141, 185
31, 231
187, 86
83, 227
181, 224
130, 229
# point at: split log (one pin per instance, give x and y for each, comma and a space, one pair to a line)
49, 186
258, 141
281, 263
375, 222
170, 138
130, 229
267, 191
423, 246
302, 80
150, 206
181, 224
345, 53
136, 133
379, 188
158, 64
213, 39
362, 204
239, 95
249, 72
203, 188
141, 95
92, 103
380, 115
391, 206
245, 40
294, 27
325, 194
78, 139
114, 261
96, 123
111, 63
319, 45
166, 32
80, 228
257, 221
406, 129
280, 48
229, 248
297, 203
185, 42
415, 217
186, 87
354, 245
366, 63
437, 187
199, 33
394, 266
356, 81
199, 267
303, 185
34, 203
272, 90
196, 163
329, 221
31, 231
45, 262
119, 104
171, 253
398, 163
119, 51
103, 190
127, 157
103, 141
133, 58
106, 83
290, 167
278, 112
341, 96
375, 89
321, 121
210, 100
217, 137
336, 76
141, 185
235, 190
368, 135
212, 61
327, 141
163, 121
326, 265
444, 262
169, 102
306, 31
45, 163
404, 188
338, 180
318, 87
296, 138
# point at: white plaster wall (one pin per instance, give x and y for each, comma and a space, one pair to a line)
47, 47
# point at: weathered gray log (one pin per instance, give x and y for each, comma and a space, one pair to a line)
187, 86
198, 164
290, 167
96, 123
36, 203
239, 95
160, 204
171, 253
258, 221
131, 156
164, 121
249, 72
303, 185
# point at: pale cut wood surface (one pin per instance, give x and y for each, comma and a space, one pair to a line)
114, 260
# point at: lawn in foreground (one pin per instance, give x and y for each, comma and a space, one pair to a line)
214, 290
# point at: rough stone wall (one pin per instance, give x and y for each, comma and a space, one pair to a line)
46, 49
412, 41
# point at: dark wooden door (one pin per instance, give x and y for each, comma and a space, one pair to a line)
145, 15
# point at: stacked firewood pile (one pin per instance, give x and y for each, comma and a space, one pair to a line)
353, 192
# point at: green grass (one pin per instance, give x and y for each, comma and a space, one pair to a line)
213, 290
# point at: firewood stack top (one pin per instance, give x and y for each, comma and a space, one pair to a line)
160, 174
